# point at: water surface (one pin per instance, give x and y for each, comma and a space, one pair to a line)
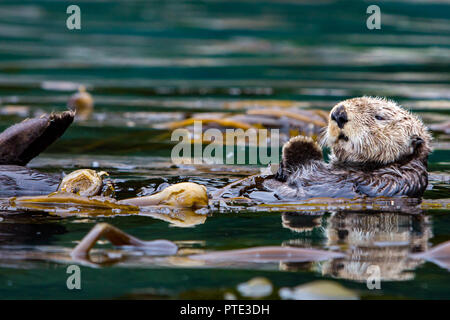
146, 62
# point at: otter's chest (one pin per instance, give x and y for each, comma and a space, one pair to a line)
312, 182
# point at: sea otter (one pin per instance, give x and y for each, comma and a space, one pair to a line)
377, 149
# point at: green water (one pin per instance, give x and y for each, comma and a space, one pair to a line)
146, 62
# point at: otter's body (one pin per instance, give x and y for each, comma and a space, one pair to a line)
377, 149
22, 181
320, 179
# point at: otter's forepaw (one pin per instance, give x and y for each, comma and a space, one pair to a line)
297, 152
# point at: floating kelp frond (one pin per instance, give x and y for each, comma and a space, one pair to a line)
176, 204
268, 254
84, 182
358, 204
65, 202
184, 194
289, 114
435, 204
222, 122
266, 202
323, 114
287, 123
245, 104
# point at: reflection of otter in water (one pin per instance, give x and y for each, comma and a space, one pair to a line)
377, 149
383, 239
300, 222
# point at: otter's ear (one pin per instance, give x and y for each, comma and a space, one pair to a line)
297, 152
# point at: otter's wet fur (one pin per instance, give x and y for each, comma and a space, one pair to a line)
22, 142
377, 149
25, 140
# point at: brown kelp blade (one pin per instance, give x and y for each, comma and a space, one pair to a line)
25, 140
268, 254
69, 200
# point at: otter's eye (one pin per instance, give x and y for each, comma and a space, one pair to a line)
379, 117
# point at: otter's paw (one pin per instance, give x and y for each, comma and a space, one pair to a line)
297, 152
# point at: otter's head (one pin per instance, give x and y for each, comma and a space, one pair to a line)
375, 130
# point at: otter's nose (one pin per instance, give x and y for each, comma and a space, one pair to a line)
340, 116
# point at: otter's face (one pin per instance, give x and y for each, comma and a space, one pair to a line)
374, 130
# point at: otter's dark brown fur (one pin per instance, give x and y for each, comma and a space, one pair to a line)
22, 142
377, 149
